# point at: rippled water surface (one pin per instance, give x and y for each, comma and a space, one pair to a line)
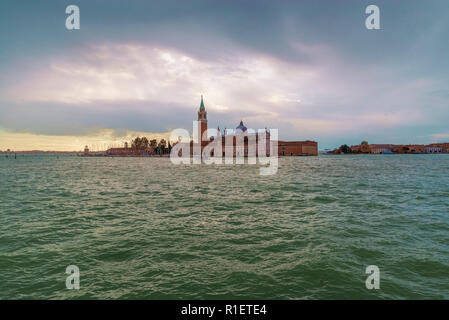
143, 228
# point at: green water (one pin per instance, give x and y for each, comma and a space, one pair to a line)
142, 228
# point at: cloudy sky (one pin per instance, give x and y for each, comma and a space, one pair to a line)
309, 68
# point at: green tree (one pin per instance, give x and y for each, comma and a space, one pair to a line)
162, 145
144, 143
140, 143
153, 144
136, 143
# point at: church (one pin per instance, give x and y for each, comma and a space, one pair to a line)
284, 148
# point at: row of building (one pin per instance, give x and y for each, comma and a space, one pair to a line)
366, 148
284, 148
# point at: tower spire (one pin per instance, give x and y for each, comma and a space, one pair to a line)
202, 104
202, 118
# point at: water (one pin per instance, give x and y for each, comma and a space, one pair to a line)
142, 228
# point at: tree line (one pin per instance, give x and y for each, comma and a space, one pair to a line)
141, 144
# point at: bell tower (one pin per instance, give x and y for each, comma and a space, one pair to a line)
202, 119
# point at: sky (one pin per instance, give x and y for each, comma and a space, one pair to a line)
308, 68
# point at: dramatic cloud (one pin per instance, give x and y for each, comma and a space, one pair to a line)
313, 72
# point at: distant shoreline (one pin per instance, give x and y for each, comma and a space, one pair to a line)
101, 155
39, 152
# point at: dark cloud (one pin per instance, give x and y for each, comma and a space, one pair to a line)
69, 119
205, 28
412, 45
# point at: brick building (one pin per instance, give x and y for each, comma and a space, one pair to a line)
285, 148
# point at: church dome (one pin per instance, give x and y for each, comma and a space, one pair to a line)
241, 126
